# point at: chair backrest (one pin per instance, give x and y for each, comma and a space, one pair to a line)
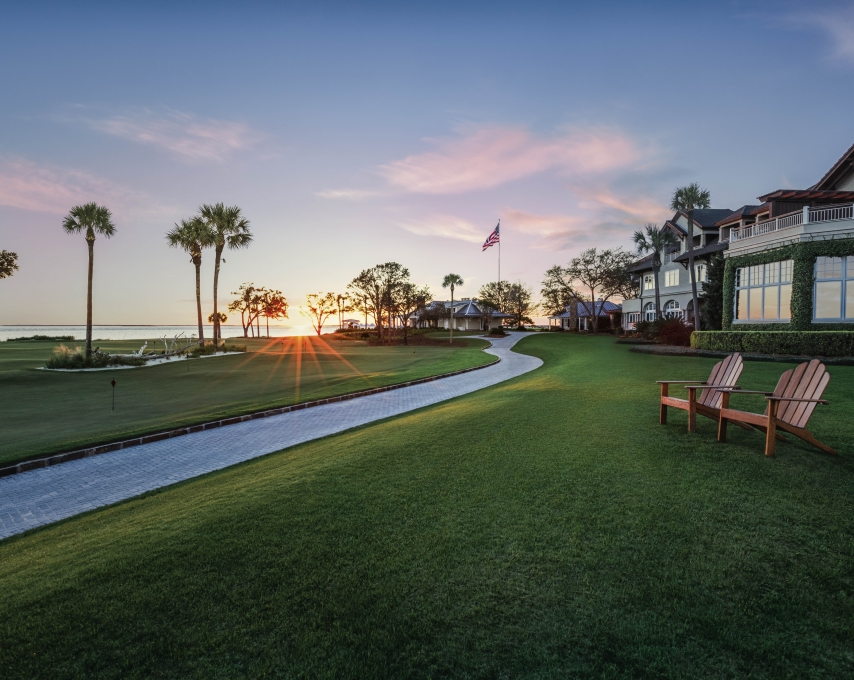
725, 373
807, 381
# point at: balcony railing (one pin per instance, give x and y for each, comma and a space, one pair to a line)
805, 216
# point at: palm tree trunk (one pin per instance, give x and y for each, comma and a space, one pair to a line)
655, 271
216, 330
451, 341
91, 245
594, 320
267, 318
199, 303
693, 273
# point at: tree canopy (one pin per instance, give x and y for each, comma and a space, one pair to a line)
8, 263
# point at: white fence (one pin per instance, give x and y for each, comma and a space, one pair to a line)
794, 219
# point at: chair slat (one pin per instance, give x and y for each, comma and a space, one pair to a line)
799, 390
731, 369
713, 376
803, 416
781, 385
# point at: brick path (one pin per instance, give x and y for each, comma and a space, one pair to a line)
46, 495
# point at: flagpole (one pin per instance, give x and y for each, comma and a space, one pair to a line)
499, 264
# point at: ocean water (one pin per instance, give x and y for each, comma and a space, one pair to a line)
149, 332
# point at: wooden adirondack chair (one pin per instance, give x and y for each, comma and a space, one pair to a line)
724, 375
789, 408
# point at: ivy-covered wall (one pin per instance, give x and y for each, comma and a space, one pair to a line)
803, 256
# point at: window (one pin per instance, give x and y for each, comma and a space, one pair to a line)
649, 282
671, 277
700, 270
649, 311
631, 319
763, 292
672, 311
834, 289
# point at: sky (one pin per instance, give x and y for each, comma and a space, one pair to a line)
357, 133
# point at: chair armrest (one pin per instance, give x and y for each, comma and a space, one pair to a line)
741, 391
679, 382
721, 388
816, 401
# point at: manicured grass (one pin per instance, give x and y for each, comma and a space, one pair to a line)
45, 411
546, 527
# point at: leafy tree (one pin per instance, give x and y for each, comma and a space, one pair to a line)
192, 236
90, 219
408, 298
713, 293
655, 240
274, 306
8, 263
493, 294
452, 281
230, 230
345, 304
319, 307
687, 199
601, 272
248, 303
557, 292
375, 289
518, 299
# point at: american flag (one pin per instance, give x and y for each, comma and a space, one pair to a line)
492, 239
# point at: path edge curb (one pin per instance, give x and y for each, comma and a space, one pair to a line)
58, 458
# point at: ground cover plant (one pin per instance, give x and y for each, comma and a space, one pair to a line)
45, 412
545, 527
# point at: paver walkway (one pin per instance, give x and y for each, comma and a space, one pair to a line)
46, 495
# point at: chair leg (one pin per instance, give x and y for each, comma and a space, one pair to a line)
662, 409
771, 432
692, 410
808, 437
722, 422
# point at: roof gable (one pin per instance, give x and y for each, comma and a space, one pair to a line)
837, 173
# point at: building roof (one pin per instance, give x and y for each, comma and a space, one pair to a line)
600, 308
464, 308
701, 252
706, 217
641, 264
808, 195
837, 172
736, 215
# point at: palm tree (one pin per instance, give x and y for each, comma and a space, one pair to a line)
687, 199
452, 280
229, 229
92, 219
192, 236
654, 240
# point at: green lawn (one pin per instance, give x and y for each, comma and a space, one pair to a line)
46, 411
546, 527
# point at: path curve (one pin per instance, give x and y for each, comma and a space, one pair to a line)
46, 495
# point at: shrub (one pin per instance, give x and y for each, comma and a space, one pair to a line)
208, 349
673, 332
809, 343
497, 331
64, 357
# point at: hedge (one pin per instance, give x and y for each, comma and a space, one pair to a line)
808, 343
803, 255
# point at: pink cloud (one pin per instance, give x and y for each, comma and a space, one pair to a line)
491, 156
446, 226
29, 186
188, 136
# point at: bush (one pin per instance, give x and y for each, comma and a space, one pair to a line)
64, 357
809, 343
208, 349
497, 331
674, 332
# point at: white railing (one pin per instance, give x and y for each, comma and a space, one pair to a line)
767, 227
833, 212
805, 216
